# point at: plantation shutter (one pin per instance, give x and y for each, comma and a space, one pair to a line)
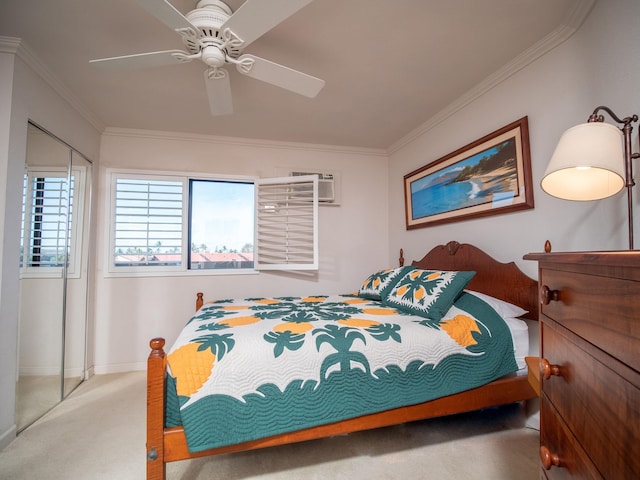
287, 223
46, 202
148, 221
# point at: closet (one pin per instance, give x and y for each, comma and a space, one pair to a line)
54, 263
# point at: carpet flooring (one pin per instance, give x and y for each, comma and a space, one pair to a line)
98, 432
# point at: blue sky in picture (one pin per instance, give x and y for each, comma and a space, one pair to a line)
436, 193
425, 182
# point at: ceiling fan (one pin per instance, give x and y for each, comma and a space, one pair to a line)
217, 36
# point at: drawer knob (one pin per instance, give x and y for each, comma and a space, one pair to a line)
546, 369
548, 459
547, 295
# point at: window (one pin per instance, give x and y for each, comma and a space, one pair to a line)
148, 222
221, 232
51, 209
164, 223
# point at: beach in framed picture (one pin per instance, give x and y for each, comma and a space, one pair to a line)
487, 177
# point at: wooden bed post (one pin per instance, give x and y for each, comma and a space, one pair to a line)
156, 367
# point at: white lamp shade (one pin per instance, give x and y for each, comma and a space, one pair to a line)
587, 164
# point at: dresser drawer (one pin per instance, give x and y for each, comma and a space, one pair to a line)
602, 407
558, 440
602, 310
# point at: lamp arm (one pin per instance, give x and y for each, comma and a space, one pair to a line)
594, 117
628, 156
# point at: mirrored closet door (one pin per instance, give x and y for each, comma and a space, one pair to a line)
54, 265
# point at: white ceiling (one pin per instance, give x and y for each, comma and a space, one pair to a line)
389, 66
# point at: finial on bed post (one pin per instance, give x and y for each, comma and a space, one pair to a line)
547, 247
199, 300
157, 345
401, 259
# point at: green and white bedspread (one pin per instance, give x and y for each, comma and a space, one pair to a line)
247, 369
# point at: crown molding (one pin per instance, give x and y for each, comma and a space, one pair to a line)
239, 141
571, 23
19, 48
9, 45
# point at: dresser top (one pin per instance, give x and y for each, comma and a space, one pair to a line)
613, 257
621, 264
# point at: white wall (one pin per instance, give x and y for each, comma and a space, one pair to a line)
353, 237
24, 96
8, 288
598, 65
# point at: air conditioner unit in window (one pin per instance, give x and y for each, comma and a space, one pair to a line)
326, 190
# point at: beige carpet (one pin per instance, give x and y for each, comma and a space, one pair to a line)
35, 395
99, 433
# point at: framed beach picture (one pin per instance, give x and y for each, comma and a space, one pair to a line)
490, 176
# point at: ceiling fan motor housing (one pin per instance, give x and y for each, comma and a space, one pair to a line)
208, 17
214, 4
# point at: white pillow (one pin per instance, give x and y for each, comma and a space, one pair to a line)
520, 336
504, 309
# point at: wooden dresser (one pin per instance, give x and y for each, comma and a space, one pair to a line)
589, 364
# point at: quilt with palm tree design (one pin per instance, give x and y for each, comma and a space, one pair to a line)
247, 369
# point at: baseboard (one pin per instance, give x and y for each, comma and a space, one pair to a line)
39, 371
120, 368
89, 372
7, 437
49, 371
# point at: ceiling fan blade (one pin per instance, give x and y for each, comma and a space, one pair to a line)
279, 75
151, 59
218, 91
256, 17
167, 14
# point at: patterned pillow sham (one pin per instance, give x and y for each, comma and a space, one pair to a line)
377, 285
428, 293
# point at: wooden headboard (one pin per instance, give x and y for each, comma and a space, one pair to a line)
501, 280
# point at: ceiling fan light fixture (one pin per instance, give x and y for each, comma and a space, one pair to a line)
213, 56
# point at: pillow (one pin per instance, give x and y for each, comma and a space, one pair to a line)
504, 309
520, 336
428, 293
376, 286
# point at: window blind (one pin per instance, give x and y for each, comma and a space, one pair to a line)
148, 220
46, 216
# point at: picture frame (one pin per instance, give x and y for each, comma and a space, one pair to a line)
490, 176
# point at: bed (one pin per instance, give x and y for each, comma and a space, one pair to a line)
175, 433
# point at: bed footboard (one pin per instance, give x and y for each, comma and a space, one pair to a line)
156, 366
168, 445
